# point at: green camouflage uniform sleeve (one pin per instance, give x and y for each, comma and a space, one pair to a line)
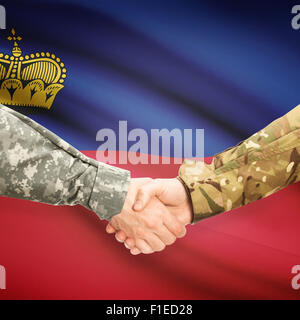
37, 165
256, 168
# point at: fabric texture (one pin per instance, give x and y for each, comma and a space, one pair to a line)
37, 165
254, 169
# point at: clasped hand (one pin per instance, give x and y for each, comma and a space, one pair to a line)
154, 215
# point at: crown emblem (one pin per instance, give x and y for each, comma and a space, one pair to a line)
31, 80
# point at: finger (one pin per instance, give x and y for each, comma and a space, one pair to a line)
159, 228
118, 239
110, 229
174, 226
130, 243
135, 251
126, 246
145, 193
121, 236
154, 242
166, 236
114, 223
143, 246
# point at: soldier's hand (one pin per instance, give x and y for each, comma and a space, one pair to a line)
171, 192
150, 229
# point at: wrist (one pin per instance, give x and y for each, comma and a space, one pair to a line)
109, 191
186, 214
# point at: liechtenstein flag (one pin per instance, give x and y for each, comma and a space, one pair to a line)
106, 75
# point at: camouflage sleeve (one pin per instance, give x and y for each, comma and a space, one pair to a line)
37, 165
256, 168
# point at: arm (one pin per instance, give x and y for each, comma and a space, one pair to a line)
256, 168
37, 165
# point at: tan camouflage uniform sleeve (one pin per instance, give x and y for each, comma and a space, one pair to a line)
256, 168
37, 165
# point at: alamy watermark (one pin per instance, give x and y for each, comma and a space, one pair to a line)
176, 144
296, 19
296, 279
2, 278
2, 17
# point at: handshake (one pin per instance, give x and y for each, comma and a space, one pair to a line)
154, 215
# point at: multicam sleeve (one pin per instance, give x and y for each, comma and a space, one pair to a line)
37, 165
256, 168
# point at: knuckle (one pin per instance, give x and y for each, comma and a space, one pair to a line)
152, 223
140, 232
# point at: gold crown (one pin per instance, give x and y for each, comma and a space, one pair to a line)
31, 80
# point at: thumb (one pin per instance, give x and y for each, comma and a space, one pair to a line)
146, 192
